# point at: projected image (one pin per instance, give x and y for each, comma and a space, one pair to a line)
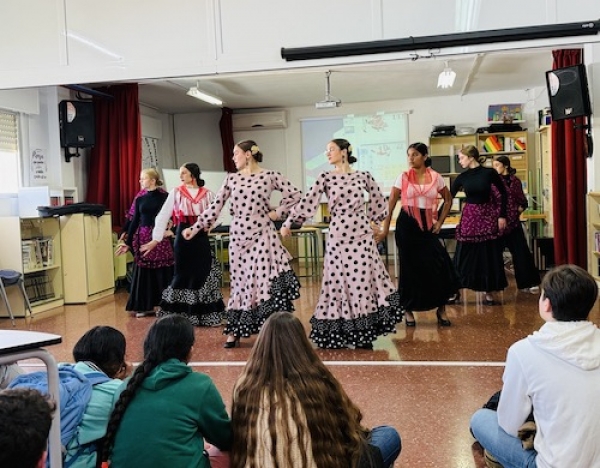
379, 142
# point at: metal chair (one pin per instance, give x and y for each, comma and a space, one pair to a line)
10, 278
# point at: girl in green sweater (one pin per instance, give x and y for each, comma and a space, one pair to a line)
167, 410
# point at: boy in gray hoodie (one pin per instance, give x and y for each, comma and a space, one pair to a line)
556, 373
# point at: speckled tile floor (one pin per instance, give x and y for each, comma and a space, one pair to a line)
426, 381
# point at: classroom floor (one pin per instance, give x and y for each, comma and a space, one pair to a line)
425, 381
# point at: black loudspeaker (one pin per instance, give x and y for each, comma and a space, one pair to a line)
568, 92
77, 127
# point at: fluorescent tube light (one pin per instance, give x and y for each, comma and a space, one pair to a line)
195, 92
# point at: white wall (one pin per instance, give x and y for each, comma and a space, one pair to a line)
87, 41
282, 148
198, 139
90, 42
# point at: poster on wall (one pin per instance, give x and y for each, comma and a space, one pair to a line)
38, 169
149, 152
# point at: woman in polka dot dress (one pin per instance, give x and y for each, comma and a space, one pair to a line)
358, 301
195, 290
262, 280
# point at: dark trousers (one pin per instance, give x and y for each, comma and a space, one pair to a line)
526, 273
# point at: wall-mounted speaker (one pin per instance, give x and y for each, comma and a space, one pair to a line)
77, 126
568, 92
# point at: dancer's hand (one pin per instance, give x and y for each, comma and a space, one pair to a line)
147, 248
381, 235
273, 215
501, 224
188, 233
285, 232
437, 227
121, 249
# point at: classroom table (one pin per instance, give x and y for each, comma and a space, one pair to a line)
16, 345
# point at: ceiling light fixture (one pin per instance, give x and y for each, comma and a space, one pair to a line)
195, 92
446, 78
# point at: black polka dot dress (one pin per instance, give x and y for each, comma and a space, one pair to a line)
358, 301
262, 280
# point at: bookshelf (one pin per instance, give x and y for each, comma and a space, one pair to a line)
32, 246
514, 145
593, 234
444, 150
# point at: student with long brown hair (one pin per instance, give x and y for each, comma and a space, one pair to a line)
167, 410
289, 410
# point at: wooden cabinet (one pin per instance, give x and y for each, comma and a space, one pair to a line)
593, 234
33, 247
87, 257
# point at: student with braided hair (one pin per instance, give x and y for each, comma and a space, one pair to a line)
167, 411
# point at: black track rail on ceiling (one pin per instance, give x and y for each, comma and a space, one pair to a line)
587, 28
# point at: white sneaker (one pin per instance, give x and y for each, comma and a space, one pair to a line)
532, 290
147, 313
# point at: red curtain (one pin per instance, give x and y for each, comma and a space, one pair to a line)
116, 159
569, 182
226, 127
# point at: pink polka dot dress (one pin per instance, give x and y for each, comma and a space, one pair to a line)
262, 280
358, 300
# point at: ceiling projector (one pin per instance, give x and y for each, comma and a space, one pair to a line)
328, 104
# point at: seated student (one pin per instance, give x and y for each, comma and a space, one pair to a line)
290, 411
167, 410
556, 373
25, 420
101, 349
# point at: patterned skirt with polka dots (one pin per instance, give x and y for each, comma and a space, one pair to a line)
262, 280
194, 291
358, 300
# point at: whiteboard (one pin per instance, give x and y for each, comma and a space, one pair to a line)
379, 143
212, 181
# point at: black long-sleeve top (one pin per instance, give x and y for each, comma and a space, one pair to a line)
146, 208
477, 185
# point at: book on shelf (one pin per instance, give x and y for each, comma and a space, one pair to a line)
37, 253
39, 287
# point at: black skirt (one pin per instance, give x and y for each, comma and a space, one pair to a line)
195, 290
147, 285
480, 265
427, 275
